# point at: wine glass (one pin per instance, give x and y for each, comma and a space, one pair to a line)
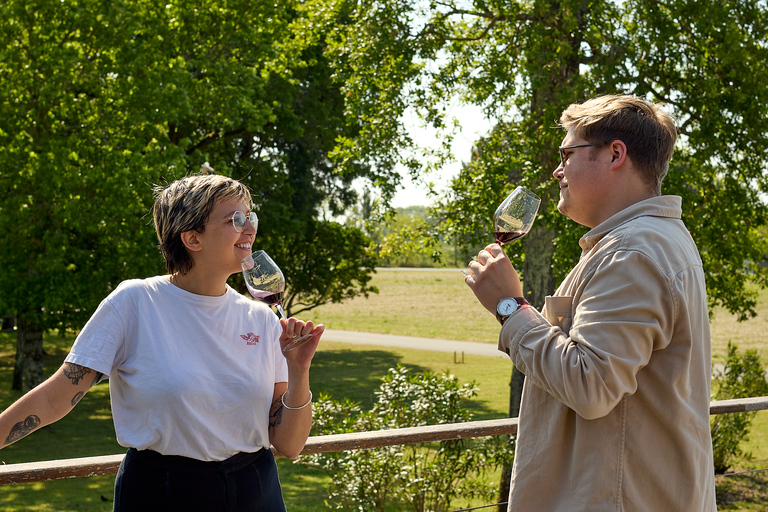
515, 215
266, 283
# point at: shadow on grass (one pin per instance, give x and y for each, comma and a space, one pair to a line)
356, 375
742, 492
353, 374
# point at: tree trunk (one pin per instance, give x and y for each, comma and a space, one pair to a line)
537, 275
18, 367
28, 372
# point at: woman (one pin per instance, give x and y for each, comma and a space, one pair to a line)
199, 385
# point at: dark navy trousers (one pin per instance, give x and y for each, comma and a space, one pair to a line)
246, 482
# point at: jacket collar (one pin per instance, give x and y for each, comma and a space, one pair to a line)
660, 206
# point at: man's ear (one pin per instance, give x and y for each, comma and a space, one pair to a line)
191, 240
618, 153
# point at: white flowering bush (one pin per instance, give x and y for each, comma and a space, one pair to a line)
424, 477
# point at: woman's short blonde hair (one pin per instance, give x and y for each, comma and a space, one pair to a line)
648, 132
186, 205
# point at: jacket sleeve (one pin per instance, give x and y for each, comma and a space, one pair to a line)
623, 309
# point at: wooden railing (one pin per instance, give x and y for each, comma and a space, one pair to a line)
108, 464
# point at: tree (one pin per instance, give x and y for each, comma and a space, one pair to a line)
101, 100
525, 61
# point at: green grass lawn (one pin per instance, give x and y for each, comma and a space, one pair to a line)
427, 304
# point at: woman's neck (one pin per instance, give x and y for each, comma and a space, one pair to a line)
199, 285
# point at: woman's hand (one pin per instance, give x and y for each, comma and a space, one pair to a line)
301, 356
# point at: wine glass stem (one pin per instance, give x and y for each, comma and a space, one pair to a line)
280, 310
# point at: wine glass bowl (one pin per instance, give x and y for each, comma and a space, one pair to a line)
266, 283
515, 215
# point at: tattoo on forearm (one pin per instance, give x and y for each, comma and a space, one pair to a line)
77, 398
76, 373
22, 428
276, 414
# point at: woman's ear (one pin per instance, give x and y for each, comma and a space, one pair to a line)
191, 241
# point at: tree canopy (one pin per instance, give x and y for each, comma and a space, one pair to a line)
525, 61
99, 101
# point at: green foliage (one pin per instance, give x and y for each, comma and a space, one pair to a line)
409, 237
330, 263
743, 376
411, 477
101, 100
525, 61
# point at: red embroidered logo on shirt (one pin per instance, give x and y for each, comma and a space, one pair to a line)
250, 338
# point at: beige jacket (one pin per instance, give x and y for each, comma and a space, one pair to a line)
615, 408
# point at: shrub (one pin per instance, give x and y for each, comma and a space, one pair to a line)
422, 477
742, 376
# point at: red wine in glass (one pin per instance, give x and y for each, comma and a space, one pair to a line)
266, 283
269, 298
505, 237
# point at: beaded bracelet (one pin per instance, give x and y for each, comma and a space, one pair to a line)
282, 399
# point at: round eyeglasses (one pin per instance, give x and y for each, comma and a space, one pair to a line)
238, 220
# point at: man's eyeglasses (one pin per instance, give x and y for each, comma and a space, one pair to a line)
562, 149
238, 220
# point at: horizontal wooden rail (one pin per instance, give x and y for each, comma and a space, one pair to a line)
108, 464
412, 435
739, 405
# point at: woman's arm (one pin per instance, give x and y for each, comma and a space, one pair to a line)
47, 403
290, 417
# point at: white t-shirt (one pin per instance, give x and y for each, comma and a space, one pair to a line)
189, 374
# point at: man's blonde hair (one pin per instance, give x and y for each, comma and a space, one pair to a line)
185, 205
648, 132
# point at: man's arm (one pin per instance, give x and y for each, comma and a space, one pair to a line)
47, 403
615, 330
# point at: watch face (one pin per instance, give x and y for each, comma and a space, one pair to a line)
507, 307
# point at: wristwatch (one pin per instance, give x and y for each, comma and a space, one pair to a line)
507, 306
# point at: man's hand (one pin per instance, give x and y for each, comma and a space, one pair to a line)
492, 277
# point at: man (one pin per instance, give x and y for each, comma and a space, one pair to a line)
615, 407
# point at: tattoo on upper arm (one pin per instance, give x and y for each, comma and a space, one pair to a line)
75, 372
275, 414
22, 428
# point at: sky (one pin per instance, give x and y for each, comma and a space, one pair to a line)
473, 126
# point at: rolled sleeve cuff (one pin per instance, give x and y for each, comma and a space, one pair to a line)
514, 329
